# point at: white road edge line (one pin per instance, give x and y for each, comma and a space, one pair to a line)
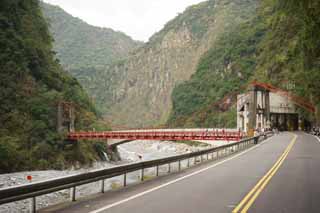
176, 180
317, 138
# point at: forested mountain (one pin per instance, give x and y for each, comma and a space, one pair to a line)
278, 44
205, 53
80, 45
136, 91
32, 82
210, 50
87, 51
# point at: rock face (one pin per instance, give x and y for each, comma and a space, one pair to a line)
136, 91
143, 83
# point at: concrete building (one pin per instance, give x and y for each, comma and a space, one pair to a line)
272, 110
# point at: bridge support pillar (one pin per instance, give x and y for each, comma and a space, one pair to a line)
267, 109
252, 111
113, 153
65, 117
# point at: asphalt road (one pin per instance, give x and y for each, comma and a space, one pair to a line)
293, 186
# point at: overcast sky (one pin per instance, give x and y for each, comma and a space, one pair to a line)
137, 18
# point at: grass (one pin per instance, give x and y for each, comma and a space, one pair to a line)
115, 185
147, 177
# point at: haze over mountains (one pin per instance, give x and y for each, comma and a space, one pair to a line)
137, 90
79, 44
201, 55
213, 48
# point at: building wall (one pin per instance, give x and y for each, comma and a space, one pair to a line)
278, 105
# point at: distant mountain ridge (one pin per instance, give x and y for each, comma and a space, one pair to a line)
79, 44
136, 90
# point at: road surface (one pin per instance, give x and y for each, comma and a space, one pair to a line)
280, 175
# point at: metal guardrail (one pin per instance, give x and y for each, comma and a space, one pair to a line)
33, 190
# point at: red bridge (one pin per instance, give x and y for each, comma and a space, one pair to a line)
167, 135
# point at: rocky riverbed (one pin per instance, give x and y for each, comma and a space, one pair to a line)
130, 152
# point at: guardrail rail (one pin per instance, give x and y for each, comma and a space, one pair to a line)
32, 190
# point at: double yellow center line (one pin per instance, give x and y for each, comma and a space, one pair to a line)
249, 199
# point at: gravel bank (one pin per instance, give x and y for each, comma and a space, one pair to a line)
130, 152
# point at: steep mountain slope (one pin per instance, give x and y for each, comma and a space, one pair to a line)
79, 44
223, 71
140, 87
31, 85
294, 30
276, 45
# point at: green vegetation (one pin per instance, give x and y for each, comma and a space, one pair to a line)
222, 71
80, 45
32, 83
147, 177
197, 18
291, 48
115, 185
279, 43
87, 52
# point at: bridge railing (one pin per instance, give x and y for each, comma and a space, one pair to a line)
160, 135
33, 190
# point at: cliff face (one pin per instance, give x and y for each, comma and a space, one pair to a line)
143, 83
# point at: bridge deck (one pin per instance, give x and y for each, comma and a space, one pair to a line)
160, 135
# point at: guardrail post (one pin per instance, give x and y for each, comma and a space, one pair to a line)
72, 184
102, 186
125, 179
255, 140
142, 174
73, 194
33, 205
